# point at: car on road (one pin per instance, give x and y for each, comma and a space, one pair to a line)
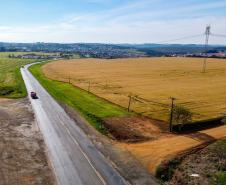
34, 95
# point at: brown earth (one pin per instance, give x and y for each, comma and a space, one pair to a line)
133, 129
152, 153
22, 151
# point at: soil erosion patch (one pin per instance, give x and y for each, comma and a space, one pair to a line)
22, 156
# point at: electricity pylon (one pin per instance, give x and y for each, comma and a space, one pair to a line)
207, 33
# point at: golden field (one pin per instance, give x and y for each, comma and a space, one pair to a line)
152, 79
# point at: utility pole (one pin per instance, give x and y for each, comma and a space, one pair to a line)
207, 33
171, 114
89, 86
69, 80
130, 99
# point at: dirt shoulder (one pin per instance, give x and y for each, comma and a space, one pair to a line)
22, 151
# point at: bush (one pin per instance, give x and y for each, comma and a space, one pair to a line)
224, 120
4, 91
165, 171
181, 116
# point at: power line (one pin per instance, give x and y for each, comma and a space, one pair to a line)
181, 38
218, 35
193, 36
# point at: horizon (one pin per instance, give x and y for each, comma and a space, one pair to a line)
216, 45
111, 21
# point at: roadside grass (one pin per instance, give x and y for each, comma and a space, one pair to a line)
11, 82
93, 108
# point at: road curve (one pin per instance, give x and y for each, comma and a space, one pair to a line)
74, 158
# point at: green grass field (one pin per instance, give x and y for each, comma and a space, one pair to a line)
11, 82
94, 109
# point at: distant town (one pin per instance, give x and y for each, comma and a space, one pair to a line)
209, 54
110, 51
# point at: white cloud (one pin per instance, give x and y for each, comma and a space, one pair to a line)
133, 23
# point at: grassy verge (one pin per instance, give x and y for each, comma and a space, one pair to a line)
94, 109
11, 82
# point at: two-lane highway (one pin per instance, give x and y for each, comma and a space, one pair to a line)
74, 158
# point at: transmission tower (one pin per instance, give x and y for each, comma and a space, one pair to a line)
207, 33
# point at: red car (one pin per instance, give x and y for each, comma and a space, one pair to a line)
34, 95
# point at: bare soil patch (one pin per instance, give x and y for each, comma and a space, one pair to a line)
132, 129
22, 151
152, 153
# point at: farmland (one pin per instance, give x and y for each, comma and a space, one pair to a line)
11, 83
150, 81
114, 80
94, 109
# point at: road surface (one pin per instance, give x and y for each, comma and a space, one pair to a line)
74, 158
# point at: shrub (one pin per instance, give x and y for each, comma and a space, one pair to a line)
224, 120
6, 90
181, 116
165, 170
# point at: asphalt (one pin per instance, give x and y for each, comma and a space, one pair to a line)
74, 158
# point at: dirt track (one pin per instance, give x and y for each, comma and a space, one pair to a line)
152, 153
22, 157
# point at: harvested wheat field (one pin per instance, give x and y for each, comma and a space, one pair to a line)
152, 81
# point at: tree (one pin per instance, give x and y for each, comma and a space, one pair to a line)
181, 116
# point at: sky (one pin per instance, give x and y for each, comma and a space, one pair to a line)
111, 21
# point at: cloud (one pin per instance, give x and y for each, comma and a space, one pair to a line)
134, 22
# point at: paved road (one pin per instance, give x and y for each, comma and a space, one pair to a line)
74, 158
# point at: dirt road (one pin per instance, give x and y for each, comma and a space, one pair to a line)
152, 153
22, 151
